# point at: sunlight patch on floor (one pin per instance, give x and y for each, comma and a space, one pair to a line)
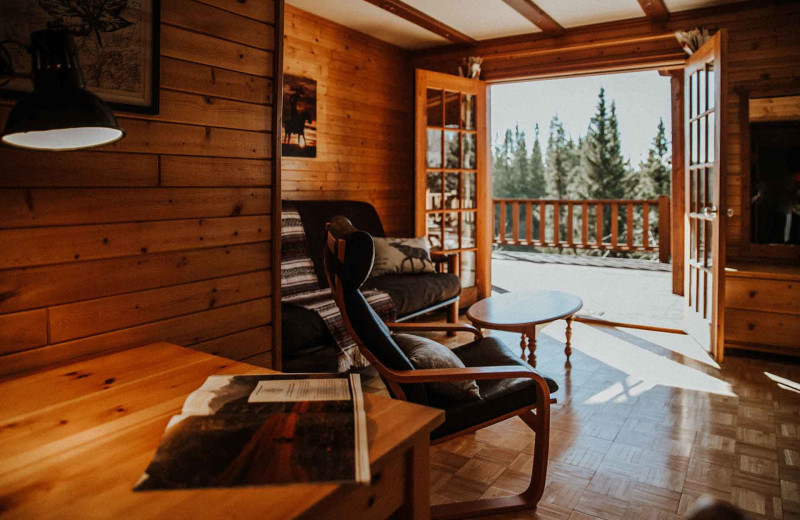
783, 383
628, 353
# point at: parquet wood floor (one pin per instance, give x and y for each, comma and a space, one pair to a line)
645, 424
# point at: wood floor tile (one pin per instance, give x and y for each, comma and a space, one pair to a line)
640, 451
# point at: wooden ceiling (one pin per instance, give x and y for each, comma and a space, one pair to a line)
419, 24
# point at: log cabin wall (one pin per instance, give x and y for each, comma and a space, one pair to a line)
167, 234
364, 119
763, 51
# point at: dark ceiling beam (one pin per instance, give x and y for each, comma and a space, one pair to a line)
655, 10
536, 15
421, 19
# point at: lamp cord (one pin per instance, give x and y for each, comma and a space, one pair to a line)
6, 62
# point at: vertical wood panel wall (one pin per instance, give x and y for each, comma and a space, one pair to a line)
763, 51
166, 235
364, 119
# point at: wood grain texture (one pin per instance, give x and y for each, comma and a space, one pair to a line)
95, 424
167, 233
364, 118
417, 17
536, 15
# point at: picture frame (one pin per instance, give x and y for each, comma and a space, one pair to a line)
119, 51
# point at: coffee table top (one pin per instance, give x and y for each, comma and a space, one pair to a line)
523, 308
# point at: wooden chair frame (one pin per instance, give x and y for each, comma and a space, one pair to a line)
537, 418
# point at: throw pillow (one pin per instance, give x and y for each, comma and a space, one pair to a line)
426, 353
401, 255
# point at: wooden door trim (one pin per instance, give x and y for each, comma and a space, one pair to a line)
713, 50
426, 79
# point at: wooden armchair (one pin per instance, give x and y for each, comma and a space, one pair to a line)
509, 387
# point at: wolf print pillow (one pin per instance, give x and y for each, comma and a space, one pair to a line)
401, 255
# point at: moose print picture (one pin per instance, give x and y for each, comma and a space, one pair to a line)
299, 132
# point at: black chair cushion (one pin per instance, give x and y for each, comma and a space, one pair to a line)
302, 329
414, 292
499, 396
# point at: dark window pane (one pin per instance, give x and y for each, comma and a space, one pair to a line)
452, 109
433, 197
468, 190
451, 233
451, 199
468, 151
452, 149
468, 111
435, 230
434, 107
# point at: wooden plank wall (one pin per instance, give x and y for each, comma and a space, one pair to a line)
763, 51
166, 235
364, 119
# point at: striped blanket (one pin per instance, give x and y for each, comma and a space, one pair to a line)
299, 287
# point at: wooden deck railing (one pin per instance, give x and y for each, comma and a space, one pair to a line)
608, 225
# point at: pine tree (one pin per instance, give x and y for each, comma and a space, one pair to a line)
655, 172
537, 187
501, 165
520, 167
604, 169
559, 165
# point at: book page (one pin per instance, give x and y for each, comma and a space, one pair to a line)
295, 390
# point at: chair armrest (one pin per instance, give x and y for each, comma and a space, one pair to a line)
439, 375
447, 327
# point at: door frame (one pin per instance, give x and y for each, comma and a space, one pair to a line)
425, 79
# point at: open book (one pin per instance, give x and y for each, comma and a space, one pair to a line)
264, 429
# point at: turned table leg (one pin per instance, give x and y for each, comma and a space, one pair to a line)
522, 343
568, 348
532, 346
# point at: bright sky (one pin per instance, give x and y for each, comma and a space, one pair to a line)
642, 97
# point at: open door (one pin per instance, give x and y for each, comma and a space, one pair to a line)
453, 181
704, 253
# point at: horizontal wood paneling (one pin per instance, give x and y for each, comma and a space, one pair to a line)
165, 235
364, 119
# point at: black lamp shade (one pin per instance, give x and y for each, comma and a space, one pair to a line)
59, 114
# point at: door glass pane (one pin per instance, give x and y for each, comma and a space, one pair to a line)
468, 269
452, 109
709, 172
435, 230
711, 137
709, 244
434, 107
451, 200
468, 111
433, 152
468, 229
468, 151
709, 295
701, 191
701, 152
692, 142
452, 149
468, 190
701, 79
712, 87
693, 97
433, 195
451, 233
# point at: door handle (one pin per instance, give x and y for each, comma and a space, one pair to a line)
709, 211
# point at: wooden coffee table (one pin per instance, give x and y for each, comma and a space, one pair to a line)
525, 312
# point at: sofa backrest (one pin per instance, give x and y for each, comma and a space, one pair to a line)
315, 214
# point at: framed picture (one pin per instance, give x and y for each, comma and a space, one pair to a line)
299, 132
117, 41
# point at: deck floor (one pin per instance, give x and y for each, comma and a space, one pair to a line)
621, 290
645, 423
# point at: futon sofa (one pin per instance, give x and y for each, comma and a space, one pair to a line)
307, 345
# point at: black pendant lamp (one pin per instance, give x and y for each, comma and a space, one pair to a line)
59, 114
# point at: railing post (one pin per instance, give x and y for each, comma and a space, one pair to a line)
614, 225
515, 222
529, 223
629, 225
570, 217
542, 220
663, 229
502, 222
556, 224
584, 224
599, 225
646, 225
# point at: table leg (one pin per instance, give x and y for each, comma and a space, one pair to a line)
532, 346
522, 344
568, 347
